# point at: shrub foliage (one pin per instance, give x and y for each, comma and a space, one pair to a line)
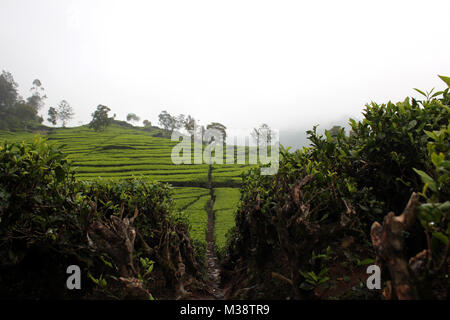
305, 232
123, 235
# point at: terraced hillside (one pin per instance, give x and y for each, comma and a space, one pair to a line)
225, 206
192, 201
122, 152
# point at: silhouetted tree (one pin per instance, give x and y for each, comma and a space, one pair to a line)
180, 121
8, 91
133, 117
170, 123
36, 100
220, 127
147, 124
65, 112
14, 111
266, 134
52, 116
100, 119
262, 134
189, 124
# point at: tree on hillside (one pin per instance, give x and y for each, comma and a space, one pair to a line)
65, 112
180, 119
266, 134
220, 127
100, 119
8, 91
52, 116
165, 120
133, 117
36, 100
189, 124
170, 123
24, 113
8, 97
146, 123
263, 134
14, 111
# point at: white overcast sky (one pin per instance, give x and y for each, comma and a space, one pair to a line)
241, 63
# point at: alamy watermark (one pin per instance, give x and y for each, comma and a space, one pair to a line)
374, 280
74, 280
213, 146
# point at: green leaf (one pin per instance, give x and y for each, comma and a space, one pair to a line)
92, 278
421, 92
324, 217
150, 269
412, 124
430, 134
444, 206
442, 237
366, 261
437, 94
328, 135
323, 280
445, 79
109, 264
426, 179
437, 158
445, 164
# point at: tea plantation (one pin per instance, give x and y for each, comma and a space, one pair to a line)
122, 152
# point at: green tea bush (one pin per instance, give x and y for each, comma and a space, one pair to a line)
123, 235
325, 197
432, 278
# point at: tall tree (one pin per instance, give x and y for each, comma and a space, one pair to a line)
52, 116
146, 123
65, 112
8, 93
220, 127
266, 134
14, 111
22, 115
263, 134
100, 119
165, 120
170, 123
36, 100
189, 124
133, 117
180, 119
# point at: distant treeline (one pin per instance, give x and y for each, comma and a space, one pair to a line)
15, 111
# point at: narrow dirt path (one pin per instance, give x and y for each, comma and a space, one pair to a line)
213, 270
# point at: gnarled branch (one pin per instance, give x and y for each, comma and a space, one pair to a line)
387, 240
